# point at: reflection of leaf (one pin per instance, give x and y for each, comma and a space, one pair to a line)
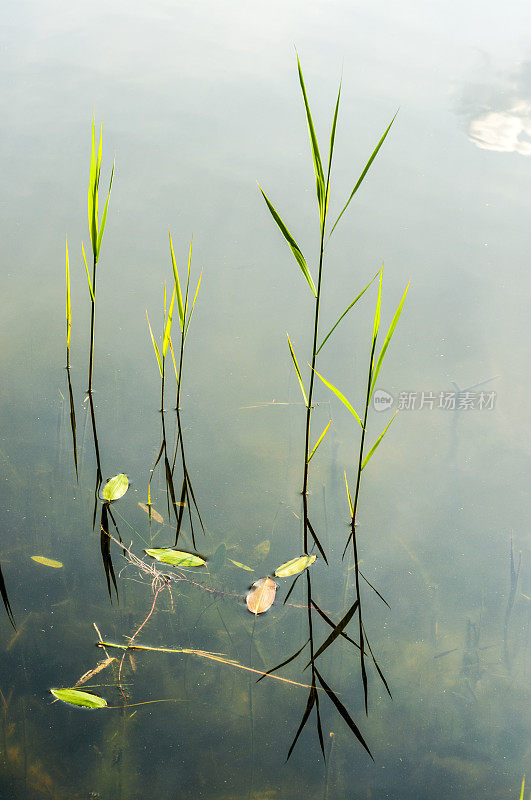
48, 562
240, 565
175, 557
152, 513
261, 595
77, 697
116, 487
218, 559
262, 550
294, 566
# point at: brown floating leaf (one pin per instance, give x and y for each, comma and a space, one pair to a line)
151, 512
261, 595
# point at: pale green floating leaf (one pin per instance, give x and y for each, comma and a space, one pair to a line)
77, 697
47, 562
115, 488
294, 566
240, 565
176, 558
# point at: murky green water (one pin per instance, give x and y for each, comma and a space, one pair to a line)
199, 102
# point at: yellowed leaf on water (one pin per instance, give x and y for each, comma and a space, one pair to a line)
154, 514
47, 562
294, 566
240, 565
262, 550
261, 595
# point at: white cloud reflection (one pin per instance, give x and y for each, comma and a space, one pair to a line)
499, 113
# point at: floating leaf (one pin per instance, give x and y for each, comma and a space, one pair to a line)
261, 595
177, 558
152, 513
115, 488
240, 565
294, 566
77, 697
48, 562
262, 550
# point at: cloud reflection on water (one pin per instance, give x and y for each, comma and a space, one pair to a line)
499, 113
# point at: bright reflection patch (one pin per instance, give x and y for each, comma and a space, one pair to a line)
504, 131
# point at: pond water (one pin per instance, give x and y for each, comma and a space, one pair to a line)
199, 102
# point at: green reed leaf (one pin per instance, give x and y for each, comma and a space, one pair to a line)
388, 339
377, 442
294, 566
365, 171
316, 156
376, 326
349, 498
297, 370
104, 216
176, 558
193, 303
77, 697
92, 186
319, 440
340, 396
333, 131
68, 306
345, 312
295, 249
177, 284
88, 275
115, 487
155, 346
167, 331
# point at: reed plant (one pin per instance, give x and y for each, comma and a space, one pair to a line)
96, 230
307, 384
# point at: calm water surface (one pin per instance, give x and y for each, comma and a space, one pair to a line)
199, 102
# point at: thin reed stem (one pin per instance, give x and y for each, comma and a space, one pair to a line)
92, 327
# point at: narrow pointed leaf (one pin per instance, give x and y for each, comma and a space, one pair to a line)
88, 274
297, 370
291, 588
316, 540
92, 182
332, 625
193, 303
115, 488
341, 625
351, 507
317, 165
155, 346
319, 440
333, 131
295, 249
174, 362
284, 663
345, 312
344, 713
177, 558
167, 332
365, 171
309, 705
188, 277
77, 697
294, 566
376, 325
68, 306
340, 396
377, 442
387, 340
5, 599
177, 284
104, 216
